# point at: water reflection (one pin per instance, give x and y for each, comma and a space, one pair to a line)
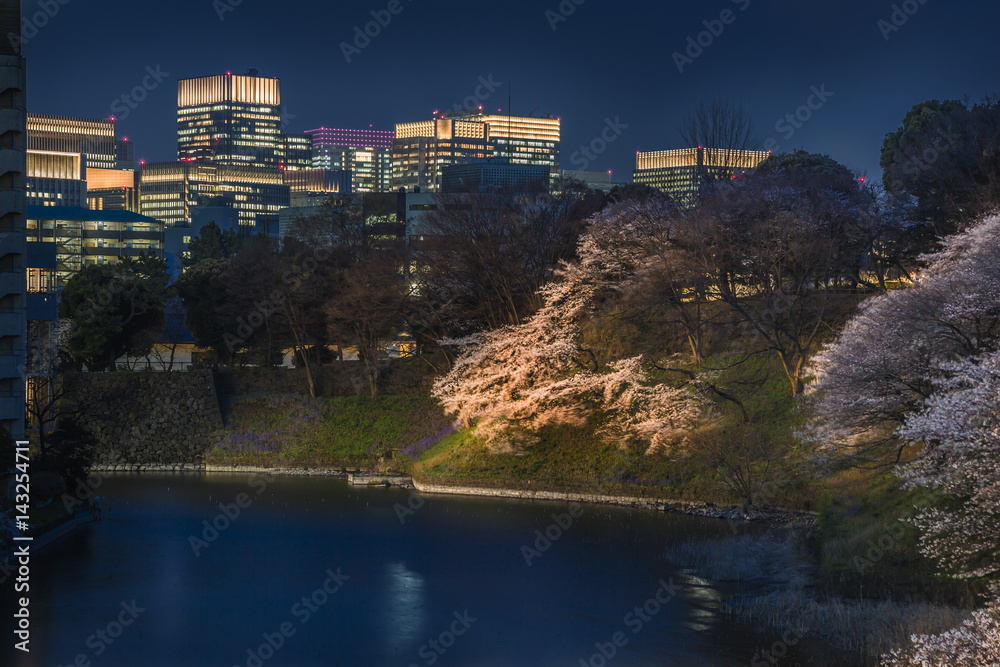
404, 619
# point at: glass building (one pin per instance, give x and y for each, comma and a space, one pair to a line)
297, 152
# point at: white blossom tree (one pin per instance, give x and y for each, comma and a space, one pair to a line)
959, 427
921, 367
885, 362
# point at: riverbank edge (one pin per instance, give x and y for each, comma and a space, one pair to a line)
357, 477
707, 510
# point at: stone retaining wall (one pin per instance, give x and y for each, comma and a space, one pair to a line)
146, 418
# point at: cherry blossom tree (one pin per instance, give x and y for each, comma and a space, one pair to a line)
921, 367
885, 362
523, 377
975, 644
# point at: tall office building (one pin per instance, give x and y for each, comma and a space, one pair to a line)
170, 190
56, 179
526, 140
421, 149
230, 119
684, 172
92, 137
124, 154
297, 152
13, 242
367, 154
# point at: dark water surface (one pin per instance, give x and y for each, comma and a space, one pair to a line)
452, 572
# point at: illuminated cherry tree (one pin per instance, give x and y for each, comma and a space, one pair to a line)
518, 379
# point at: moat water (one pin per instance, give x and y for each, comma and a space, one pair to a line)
315, 572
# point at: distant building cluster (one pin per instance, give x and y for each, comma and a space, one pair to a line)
76, 196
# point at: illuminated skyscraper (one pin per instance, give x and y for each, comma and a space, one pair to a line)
297, 152
420, 150
527, 140
367, 154
230, 119
169, 191
684, 172
93, 137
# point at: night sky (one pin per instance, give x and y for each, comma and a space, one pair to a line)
607, 60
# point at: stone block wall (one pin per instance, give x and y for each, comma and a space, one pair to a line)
147, 418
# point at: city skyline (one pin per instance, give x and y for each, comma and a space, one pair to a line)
581, 62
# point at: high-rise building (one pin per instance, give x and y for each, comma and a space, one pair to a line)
56, 179
367, 154
124, 154
421, 149
13, 241
170, 190
297, 152
526, 140
92, 137
684, 172
230, 119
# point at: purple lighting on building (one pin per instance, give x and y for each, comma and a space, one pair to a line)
325, 136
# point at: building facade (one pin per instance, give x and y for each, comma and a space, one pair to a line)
83, 237
230, 119
684, 172
297, 152
169, 191
422, 149
525, 140
495, 176
367, 154
91, 137
56, 179
318, 181
13, 242
112, 190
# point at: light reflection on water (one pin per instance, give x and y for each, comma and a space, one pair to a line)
405, 612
